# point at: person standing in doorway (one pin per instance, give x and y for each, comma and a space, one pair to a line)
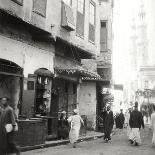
75, 124
63, 126
136, 122
109, 122
7, 128
153, 125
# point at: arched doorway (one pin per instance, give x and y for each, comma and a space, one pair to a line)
11, 77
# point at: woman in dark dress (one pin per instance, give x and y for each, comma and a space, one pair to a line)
63, 126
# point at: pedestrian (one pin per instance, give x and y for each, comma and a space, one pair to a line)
136, 122
63, 126
121, 119
153, 125
117, 120
75, 123
7, 129
109, 122
103, 115
127, 118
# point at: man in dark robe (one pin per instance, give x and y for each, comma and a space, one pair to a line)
7, 144
108, 125
136, 122
121, 119
103, 115
63, 126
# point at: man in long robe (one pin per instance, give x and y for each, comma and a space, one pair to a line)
136, 122
7, 144
108, 126
121, 119
75, 124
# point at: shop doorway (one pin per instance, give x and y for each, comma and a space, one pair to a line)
11, 79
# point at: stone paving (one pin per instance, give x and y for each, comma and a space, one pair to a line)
118, 146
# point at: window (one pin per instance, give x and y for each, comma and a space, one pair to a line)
68, 2
92, 22
103, 36
92, 14
30, 85
80, 18
39, 7
20, 2
81, 6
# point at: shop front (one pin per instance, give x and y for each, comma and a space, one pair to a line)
11, 77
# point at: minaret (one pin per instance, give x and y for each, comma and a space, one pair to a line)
133, 46
142, 42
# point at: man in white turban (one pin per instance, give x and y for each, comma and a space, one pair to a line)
75, 122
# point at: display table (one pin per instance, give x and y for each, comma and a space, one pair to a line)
31, 132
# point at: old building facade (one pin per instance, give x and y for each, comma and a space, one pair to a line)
44, 51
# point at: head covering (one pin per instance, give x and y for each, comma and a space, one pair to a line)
76, 111
136, 104
63, 112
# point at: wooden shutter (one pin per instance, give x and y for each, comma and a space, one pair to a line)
103, 37
80, 24
39, 7
92, 33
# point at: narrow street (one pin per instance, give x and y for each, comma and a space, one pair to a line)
118, 146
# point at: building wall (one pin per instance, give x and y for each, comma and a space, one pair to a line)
55, 17
30, 58
106, 14
87, 103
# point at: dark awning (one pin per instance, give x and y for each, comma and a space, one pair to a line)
44, 72
76, 70
37, 33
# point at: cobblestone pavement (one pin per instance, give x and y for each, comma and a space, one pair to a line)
118, 146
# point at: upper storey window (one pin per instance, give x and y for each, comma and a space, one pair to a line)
39, 7
80, 18
92, 21
92, 14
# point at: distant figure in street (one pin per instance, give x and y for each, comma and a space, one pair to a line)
7, 118
127, 118
121, 119
109, 122
75, 124
63, 126
117, 120
136, 122
153, 125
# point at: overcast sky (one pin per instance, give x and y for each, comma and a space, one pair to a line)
124, 10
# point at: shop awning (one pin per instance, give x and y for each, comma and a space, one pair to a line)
76, 70
44, 72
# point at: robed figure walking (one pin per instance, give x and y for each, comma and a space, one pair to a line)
108, 124
7, 122
136, 122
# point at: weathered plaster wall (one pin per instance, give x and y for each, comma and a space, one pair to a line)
26, 56
87, 103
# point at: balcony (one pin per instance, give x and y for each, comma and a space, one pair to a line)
67, 19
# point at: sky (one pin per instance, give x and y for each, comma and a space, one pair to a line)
123, 13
